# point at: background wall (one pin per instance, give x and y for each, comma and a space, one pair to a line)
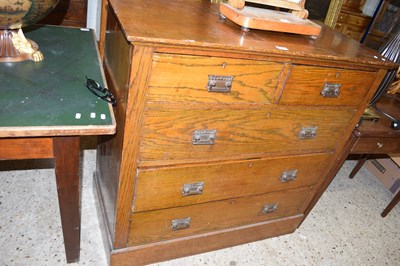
370, 6
93, 16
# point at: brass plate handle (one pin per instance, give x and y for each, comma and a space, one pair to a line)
270, 208
288, 176
219, 83
204, 137
179, 224
192, 189
331, 90
308, 132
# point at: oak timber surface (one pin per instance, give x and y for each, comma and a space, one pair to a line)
253, 132
158, 56
147, 227
49, 94
265, 177
173, 23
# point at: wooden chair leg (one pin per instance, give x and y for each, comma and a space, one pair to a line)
391, 205
358, 166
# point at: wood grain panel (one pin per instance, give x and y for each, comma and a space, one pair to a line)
305, 84
26, 148
204, 29
167, 134
185, 78
139, 75
162, 188
148, 227
117, 71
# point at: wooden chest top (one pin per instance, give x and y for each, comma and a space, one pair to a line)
197, 24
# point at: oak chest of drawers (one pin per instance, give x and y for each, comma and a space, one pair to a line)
223, 136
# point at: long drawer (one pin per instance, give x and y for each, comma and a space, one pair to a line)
203, 79
309, 85
148, 227
180, 186
174, 134
376, 145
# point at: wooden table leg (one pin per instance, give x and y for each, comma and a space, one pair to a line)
359, 164
66, 157
391, 205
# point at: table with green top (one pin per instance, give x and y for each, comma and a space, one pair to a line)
45, 107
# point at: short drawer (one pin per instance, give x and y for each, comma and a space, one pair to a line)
358, 20
309, 85
180, 186
202, 79
148, 227
376, 145
192, 135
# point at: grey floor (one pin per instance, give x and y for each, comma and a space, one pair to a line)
345, 227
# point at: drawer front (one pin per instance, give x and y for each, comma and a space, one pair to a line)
171, 134
180, 186
357, 20
148, 227
377, 145
178, 78
307, 85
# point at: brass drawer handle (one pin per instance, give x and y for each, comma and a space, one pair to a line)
192, 189
288, 176
308, 132
331, 90
179, 224
204, 137
270, 208
219, 83
380, 145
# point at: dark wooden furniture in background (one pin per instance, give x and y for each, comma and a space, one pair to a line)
346, 16
351, 21
223, 137
377, 137
45, 107
68, 13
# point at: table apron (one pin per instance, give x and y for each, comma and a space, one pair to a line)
26, 148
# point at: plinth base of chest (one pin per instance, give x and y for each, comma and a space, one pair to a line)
195, 244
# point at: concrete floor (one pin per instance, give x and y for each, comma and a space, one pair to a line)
345, 227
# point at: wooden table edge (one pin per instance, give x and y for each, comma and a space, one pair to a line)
55, 131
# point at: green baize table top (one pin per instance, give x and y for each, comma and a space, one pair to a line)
50, 97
